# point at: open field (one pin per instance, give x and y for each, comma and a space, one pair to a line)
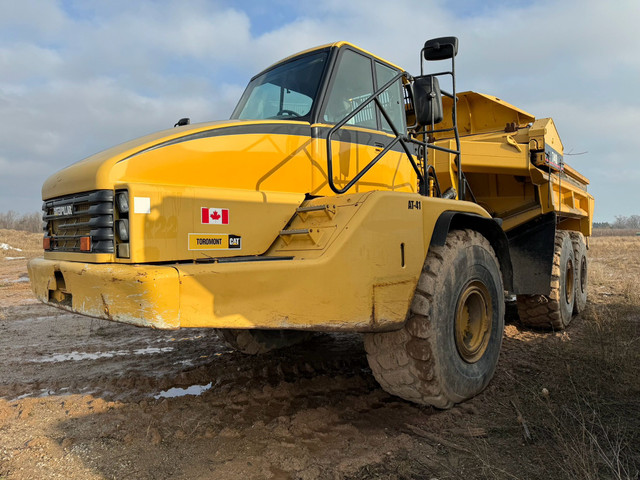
616, 232
87, 399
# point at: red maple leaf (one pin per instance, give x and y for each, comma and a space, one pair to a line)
215, 215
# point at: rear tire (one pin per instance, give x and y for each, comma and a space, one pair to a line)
553, 311
580, 254
448, 349
255, 342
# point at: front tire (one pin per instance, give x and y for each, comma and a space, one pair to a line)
448, 349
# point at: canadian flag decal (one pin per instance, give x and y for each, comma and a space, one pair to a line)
215, 216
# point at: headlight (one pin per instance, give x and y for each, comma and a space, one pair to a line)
123, 230
122, 202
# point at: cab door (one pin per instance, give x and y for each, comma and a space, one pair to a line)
355, 78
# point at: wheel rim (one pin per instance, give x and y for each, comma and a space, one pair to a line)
568, 282
473, 321
583, 275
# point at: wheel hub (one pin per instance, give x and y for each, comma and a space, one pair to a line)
568, 282
473, 321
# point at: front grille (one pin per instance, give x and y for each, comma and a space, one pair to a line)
67, 219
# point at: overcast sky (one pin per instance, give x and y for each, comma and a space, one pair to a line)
77, 77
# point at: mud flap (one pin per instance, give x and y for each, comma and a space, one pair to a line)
531, 247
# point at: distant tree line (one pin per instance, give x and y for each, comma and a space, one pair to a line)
29, 222
621, 222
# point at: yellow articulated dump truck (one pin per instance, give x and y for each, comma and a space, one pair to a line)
343, 195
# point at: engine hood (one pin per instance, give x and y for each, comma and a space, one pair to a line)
97, 171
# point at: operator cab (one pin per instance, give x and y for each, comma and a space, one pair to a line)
322, 87
348, 95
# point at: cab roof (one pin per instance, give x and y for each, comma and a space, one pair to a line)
332, 45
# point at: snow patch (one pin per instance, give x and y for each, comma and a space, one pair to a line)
181, 392
20, 280
151, 350
78, 356
5, 246
45, 392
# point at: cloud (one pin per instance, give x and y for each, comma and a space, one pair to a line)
77, 77
24, 63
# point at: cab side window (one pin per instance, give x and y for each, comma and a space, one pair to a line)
391, 99
352, 85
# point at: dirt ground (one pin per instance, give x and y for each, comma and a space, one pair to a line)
82, 398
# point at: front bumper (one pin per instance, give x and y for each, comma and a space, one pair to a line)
274, 294
146, 296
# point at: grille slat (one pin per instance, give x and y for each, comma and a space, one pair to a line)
89, 214
102, 221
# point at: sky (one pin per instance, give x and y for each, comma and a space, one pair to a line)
77, 77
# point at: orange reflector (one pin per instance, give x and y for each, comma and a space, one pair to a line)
46, 243
85, 244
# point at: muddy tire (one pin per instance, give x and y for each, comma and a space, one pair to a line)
255, 342
448, 349
581, 263
553, 311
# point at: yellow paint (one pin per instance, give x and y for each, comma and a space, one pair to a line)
356, 281
336, 262
481, 113
260, 178
143, 295
498, 166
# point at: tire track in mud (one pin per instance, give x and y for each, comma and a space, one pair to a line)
49, 351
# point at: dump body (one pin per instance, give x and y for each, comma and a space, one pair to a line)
235, 224
514, 164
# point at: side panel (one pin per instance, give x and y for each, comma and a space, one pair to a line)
179, 225
569, 200
356, 270
361, 277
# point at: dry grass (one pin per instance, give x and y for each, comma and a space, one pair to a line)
596, 423
592, 417
615, 270
616, 232
20, 244
573, 397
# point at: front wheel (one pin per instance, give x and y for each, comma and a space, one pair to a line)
448, 349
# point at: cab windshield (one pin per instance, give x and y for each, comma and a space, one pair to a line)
285, 92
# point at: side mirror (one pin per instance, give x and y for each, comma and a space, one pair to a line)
427, 100
182, 122
440, 48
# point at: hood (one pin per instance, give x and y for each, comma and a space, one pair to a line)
94, 172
